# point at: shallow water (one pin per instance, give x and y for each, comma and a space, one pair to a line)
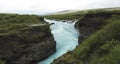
66, 37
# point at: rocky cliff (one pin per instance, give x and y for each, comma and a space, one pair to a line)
21, 43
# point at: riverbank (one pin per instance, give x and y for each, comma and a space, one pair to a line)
25, 39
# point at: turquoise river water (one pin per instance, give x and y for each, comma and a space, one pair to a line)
66, 37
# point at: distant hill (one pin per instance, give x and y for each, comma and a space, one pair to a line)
77, 10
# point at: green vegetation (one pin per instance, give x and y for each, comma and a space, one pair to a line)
100, 35
101, 46
14, 22
22, 43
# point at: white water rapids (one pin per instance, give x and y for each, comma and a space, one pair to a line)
66, 37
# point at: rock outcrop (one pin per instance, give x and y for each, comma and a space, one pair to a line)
24, 44
90, 23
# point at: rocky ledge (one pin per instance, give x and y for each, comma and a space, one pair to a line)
90, 23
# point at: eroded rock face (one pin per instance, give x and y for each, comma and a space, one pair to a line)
27, 46
91, 23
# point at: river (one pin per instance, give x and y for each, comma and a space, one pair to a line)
66, 37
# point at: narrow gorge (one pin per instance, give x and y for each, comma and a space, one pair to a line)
94, 38
66, 37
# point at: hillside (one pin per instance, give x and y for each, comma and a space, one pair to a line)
24, 39
76, 14
99, 40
